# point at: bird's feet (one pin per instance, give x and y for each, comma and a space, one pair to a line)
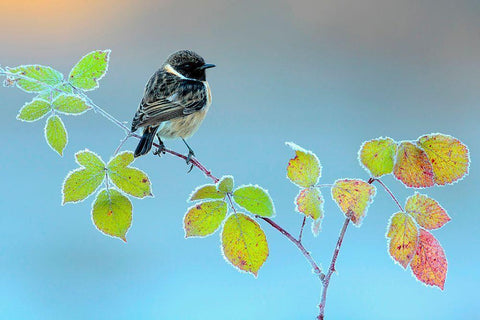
189, 159
160, 150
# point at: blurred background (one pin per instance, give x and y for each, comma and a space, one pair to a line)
324, 74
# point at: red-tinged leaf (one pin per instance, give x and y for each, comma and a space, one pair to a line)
426, 211
412, 166
310, 203
244, 243
449, 157
353, 198
403, 235
429, 265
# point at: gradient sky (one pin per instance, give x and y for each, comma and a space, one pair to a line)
324, 74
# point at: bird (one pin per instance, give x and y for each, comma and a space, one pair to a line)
175, 102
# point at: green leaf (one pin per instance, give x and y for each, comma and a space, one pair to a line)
244, 243
82, 182
378, 156
70, 104
112, 213
35, 78
89, 70
89, 159
304, 170
208, 191
353, 198
310, 203
254, 199
225, 184
56, 134
34, 110
130, 180
204, 218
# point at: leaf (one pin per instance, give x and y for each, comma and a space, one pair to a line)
208, 191
34, 110
89, 70
70, 104
82, 182
412, 166
244, 243
255, 200
310, 203
112, 213
426, 211
403, 235
353, 198
316, 224
225, 184
304, 170
449, 157
130, 180
378, 156
204, 218
56, 134
35, 78
429, 264
90, 159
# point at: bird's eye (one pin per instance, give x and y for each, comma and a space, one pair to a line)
187, 65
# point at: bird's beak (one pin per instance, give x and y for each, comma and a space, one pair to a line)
206, 66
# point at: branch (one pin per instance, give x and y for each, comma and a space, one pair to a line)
331, 270
388, 191
299, 245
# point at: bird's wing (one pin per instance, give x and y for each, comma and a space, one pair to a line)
170, 99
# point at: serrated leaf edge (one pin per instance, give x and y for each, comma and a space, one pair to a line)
257, 186
97, 81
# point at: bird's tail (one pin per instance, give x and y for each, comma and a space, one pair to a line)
146, 142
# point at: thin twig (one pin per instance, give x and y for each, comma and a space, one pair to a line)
331, 270
390, 193
300, 246
121, 144
301, 229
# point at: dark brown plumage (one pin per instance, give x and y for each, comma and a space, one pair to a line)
175, 102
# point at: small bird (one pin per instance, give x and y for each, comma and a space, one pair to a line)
176, 99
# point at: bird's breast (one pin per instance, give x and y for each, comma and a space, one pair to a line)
183, 127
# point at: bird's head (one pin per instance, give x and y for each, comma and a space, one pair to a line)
189, 64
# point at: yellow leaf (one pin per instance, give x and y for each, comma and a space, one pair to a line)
310, 203
304, 170
378, 156
449, 157
353, 198
426, 211
403, 234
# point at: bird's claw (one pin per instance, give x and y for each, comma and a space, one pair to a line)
159, 151
189, 160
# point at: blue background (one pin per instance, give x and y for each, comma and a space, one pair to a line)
327, 75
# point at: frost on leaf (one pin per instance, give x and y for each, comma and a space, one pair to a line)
304, 169
208, 191
82, 182
448, 156
112, 213
34, 110
353, 198
70, 104
56, 134
204, 218
244, 243
316, 226
225, 184
403, 235
57, 90
429, 265
426, 211
130, 180
378, 156
310, 203
35, 78
89, 70
412, 166
255, 200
